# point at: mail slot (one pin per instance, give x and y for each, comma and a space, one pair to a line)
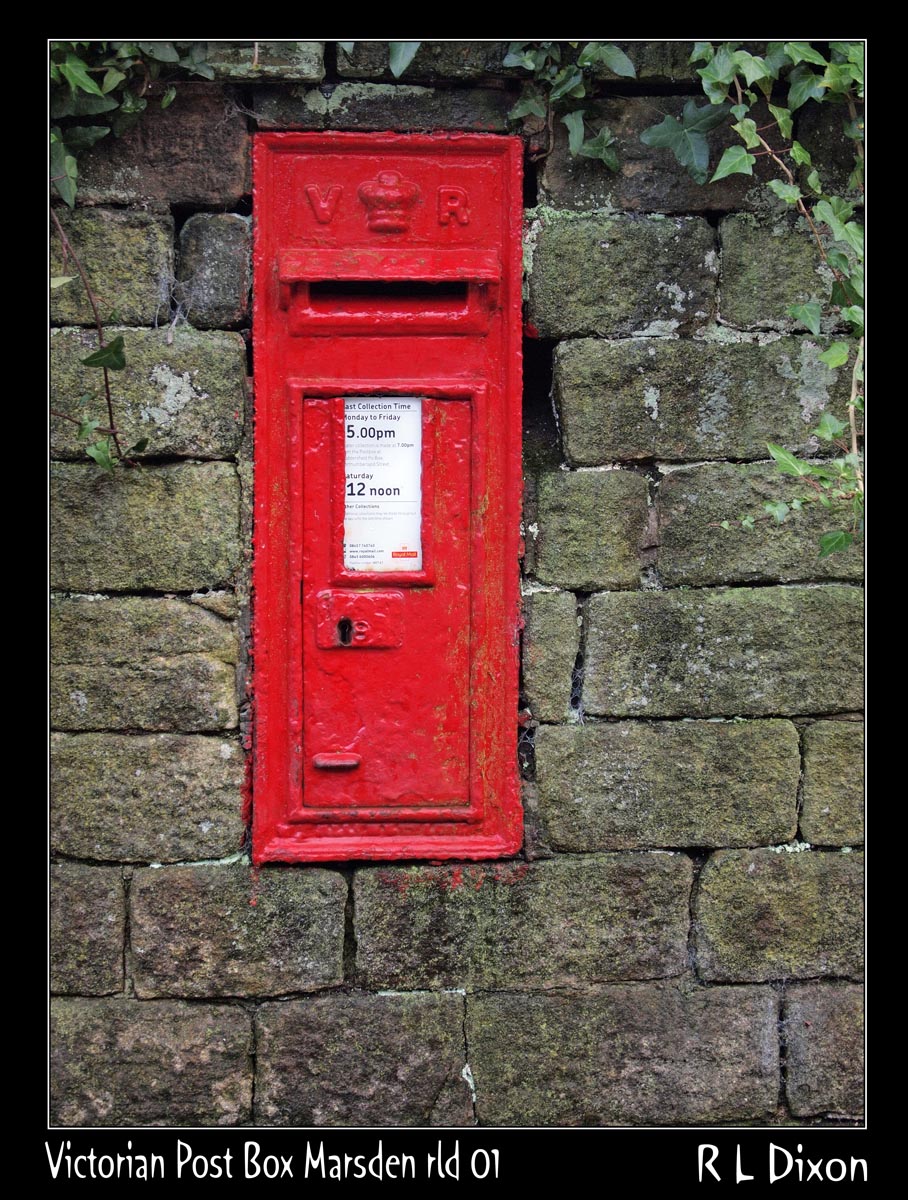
387, 490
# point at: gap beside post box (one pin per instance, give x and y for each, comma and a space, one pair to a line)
387, 496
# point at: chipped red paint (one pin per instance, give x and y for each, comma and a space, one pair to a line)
387, 265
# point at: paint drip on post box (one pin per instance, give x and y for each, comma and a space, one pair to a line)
388, 484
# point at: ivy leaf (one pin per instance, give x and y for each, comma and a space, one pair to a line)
833, 542
783, 120
100, 452
57, 281
568, 81
840, 261
747, 522
529, 105
87, 430
602, 147
777, 508
83, 137
76, 75
739, 111
347, 47
775, 58
836, 355
702, 120
169, 96
787, 462
690, 148
718, 74
64, 181
139, 446
789, 192
112, 356
829, 427
111, 79
805, 85
807, 314
703, 52
803, 52
400, 55
617, 62
65, 104
800, 155
751, 68
855, 314
160, 51
206, 70
735, 161
574, 123
813, 182
748, 131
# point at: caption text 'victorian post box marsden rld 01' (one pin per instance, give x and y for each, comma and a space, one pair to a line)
387, 483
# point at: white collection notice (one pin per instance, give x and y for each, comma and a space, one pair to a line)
383, 483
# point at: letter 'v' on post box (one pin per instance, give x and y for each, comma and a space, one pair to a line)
387, 496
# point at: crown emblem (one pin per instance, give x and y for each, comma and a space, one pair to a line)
388, 200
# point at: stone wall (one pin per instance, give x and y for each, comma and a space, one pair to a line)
680, 941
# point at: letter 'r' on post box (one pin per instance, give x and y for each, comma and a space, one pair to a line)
387, 496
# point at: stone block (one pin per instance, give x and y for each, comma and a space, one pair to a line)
87, 923
382, 106
157, 798
195, 152
551, 640
556, 923
365, 1060
432, 61
780, 913
182, 390
695, 551
225, 930
128, 257
628, 1054
215, 269
124, 1062
629, 784
664, 399
768, 265
612, 276
738, 652
300, 61
167, 528
592, 525
141, 664
833, 801
824, 1037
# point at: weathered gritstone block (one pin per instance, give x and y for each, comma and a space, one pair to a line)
629, 784
695, 550
362, 1060
215, 269
613, 276
432, 61
195, 152
379, 106
766, 266
666, 399
824, 1038
299, 61
833, 807
736, 652
87, 922
223, 930
549, 924
126, 1062
127, 255
182, 390
550, 643
155, 798
591, 527
628, 1054
139, 663
167, 528
778, 913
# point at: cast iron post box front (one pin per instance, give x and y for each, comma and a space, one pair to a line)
387, 485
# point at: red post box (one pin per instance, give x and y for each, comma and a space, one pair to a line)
387, 496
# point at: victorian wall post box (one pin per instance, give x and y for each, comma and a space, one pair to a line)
387, 496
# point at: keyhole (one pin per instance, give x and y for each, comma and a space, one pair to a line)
345, 631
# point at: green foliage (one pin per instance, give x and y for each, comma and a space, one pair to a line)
562, 75
788, 76
113, 81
